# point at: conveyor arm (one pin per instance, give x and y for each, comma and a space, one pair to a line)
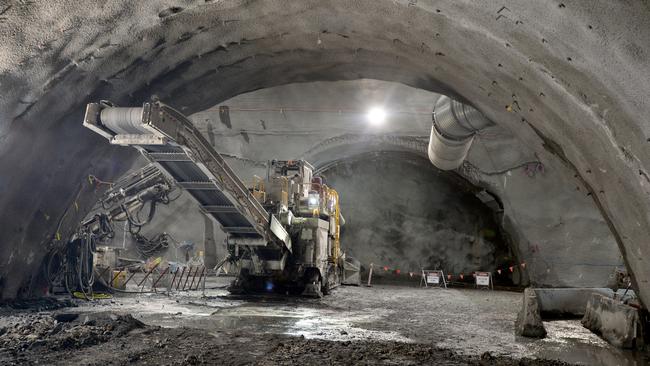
172, 142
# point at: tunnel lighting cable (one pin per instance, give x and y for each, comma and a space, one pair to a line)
318, 110
487, 136
57, 233
503, 171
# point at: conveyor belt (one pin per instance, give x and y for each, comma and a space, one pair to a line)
171, 141
210, 196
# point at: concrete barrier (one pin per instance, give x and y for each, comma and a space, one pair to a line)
551, 303
616, 322
529, 320
567, 302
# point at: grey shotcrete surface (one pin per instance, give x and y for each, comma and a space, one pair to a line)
569, 79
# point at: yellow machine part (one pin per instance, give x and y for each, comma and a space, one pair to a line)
119, 280
153, 263
337, 231
258, 188
94, 296
284, 199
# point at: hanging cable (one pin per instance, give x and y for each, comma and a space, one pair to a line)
148, 247
78, 264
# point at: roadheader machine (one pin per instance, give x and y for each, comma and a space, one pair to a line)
283, 232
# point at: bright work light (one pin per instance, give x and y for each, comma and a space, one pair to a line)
376, 116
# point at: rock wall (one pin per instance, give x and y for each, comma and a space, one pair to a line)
402, 213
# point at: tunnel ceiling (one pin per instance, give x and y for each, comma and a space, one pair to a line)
569, 77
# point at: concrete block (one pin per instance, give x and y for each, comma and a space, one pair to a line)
616, 322
566, 302
529, 320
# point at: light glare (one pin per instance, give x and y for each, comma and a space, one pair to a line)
376, 116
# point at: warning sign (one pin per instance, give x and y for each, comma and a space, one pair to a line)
484, 279
435, 278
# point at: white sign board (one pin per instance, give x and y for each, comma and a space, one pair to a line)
483, 279
433, 278
436, 278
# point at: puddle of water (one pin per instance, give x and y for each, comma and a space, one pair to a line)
569, 341
261, 315
342, 326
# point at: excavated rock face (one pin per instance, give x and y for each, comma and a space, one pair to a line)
570, 79
402, 213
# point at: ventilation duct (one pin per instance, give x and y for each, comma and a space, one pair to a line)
123, 121
452, 133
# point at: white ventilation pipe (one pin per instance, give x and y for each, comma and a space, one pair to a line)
123, 121
452, 133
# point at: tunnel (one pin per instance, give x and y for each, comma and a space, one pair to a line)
552, 194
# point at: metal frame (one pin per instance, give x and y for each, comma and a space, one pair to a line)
424, 277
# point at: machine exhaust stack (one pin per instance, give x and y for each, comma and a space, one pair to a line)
452, 133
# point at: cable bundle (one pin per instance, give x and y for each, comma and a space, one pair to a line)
148, 247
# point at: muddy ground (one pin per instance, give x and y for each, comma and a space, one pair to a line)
109, 339
383, 325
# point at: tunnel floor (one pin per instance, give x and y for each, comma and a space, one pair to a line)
355, 325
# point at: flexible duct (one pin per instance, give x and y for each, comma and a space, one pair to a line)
452, 133
123, 121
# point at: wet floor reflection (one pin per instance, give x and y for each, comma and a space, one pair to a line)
466, 321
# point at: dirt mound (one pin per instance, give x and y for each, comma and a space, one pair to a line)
62, 331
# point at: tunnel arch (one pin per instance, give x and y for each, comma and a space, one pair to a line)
449, 227
337, 150
534, 78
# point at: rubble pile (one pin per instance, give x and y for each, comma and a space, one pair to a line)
63, 331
